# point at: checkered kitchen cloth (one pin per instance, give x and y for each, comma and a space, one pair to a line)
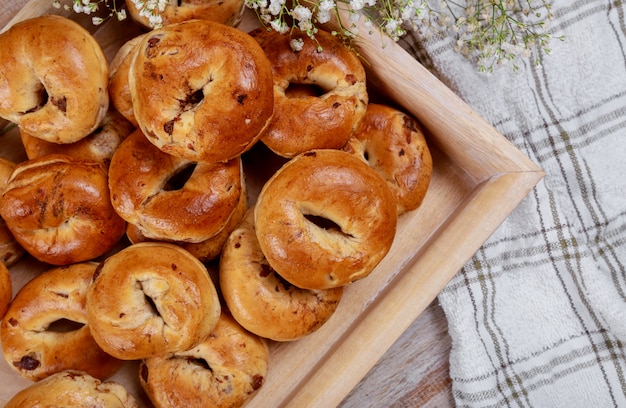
538, 316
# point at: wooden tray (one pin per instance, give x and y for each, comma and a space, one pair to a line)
478, 179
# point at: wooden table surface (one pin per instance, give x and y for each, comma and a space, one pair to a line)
414, 372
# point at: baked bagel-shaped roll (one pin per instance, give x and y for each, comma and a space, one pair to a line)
98, 145
207, 250
53, 79
223, 371
45, 330
6, 289
201, 90
119, 90
151, 298
172, 198
393, 143
319, 96
59, 210
260, 300
10, 250
325, 219
73, 389
228, 12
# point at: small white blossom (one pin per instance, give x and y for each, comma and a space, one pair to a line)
354, 18
301, 13
276, 6
357, 5
296, 44
323, 16
488, 32
327, 5
280, 26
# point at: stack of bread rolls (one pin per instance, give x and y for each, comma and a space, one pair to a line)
198, 145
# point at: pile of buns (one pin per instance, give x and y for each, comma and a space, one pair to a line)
196, 144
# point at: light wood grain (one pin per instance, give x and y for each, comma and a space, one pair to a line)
478, 179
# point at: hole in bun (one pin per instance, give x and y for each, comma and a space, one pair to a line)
41, 100
199, 362
366, 156
64, 326
151, 306
323, 222
268, 272
192, 101
177, 180
295, 90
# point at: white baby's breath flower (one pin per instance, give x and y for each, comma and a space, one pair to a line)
354, 18
280, 26
356, 5
301, 13
296, 44
323, 16
276, 6
327, 5
488, 32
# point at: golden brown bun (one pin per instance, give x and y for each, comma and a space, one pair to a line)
6, 289
144, 192
228, 12
393, 143
207, 250
10, 250
201, 90
73, 389
53, 79
45, 330
97, 146
225, 370
151, 298
119, 91
260, 300
325, 219
58, 208
304, 121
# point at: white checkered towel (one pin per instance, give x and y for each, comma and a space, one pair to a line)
538, 316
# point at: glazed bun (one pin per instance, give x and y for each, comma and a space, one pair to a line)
172, 198
228, 12
45, 330
73, 389
119, 91
320, 92
325, 219
53, 79
209, 249
225, 370
59, 210
393, 144
260, 300
201, 90
151, 298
